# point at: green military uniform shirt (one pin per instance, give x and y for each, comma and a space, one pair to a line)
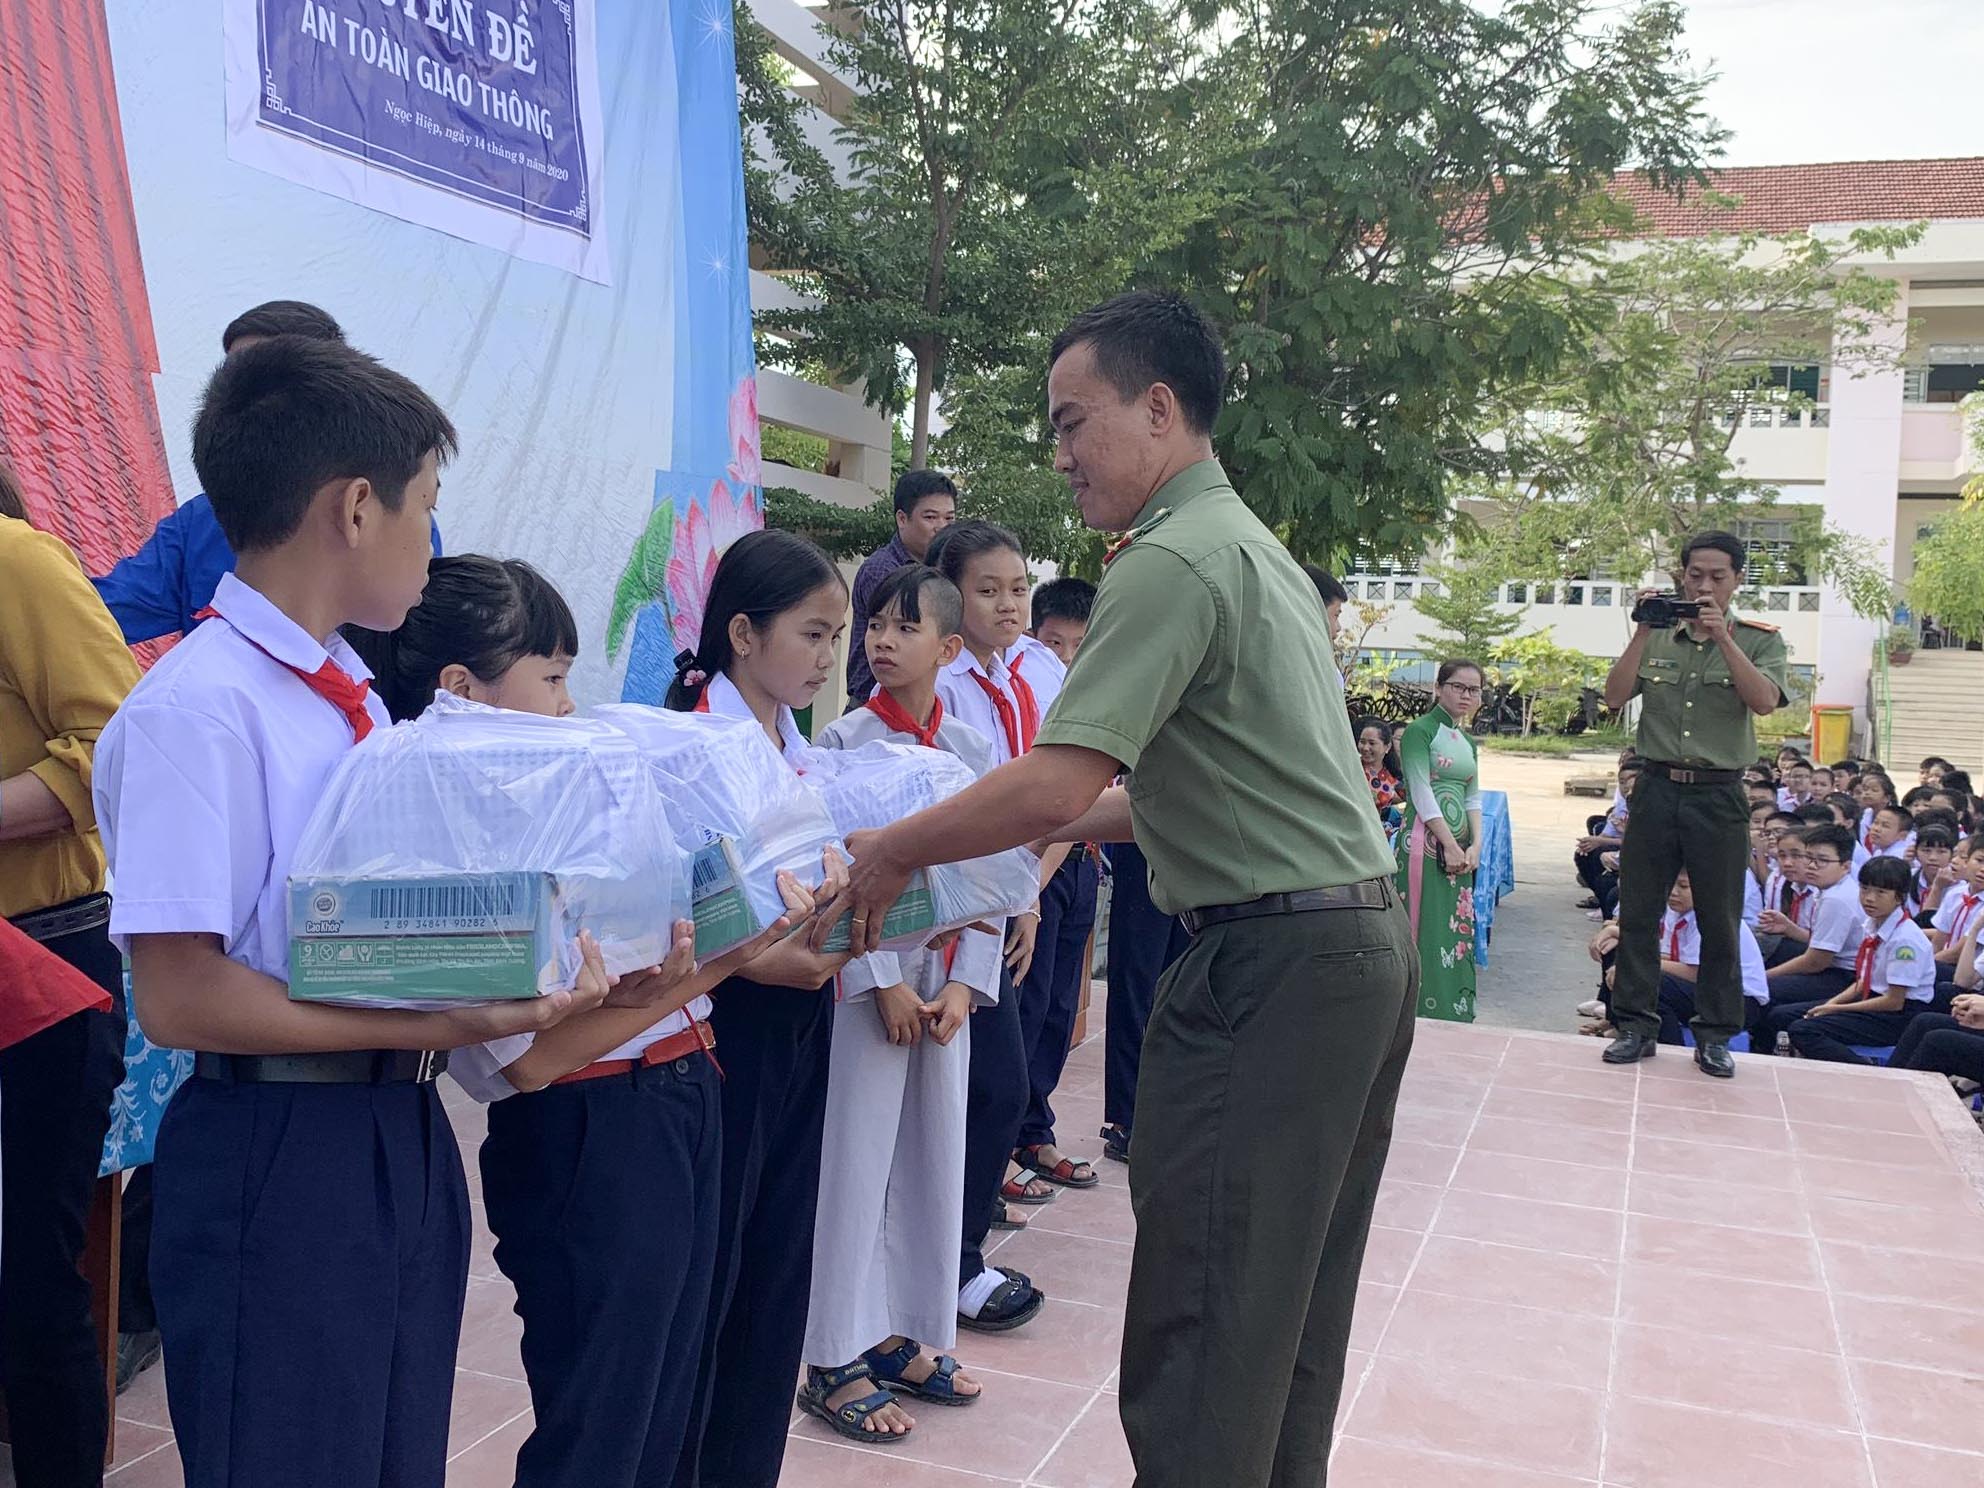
1690, 712
1208, 672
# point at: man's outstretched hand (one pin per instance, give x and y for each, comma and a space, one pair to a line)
875, 881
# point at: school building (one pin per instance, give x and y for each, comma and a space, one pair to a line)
1884, 453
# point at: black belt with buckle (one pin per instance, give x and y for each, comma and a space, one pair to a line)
1372, 893
352, 1067
1693, 775
91, 912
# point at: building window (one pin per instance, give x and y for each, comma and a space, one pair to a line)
1401, 590
1574, 594
1778, 599
1601, 595
1546, 593
1518, 593
1808, 602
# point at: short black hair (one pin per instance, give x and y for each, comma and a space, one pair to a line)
1818, 813
1935, 759
1789, 818
281, 318
1915, 795
959, 543
1635, 764
1770, 806
913, 485
1899, 812
1942, 831
1887, 873
1957, 783
1721, 542
284, 417
486, 614
1835, 837
916, 588
1328, 586
1063, 599
1147, 337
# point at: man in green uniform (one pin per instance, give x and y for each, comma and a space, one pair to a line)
1272, 1061
1701, 685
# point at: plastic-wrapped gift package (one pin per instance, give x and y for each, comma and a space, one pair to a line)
455, 859
881, 783
741, 810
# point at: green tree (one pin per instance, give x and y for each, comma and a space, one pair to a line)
1406, 187
1464, 610
1549, 679
1948, 582
1625, 448
1011, 162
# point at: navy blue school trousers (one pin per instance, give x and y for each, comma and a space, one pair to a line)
774, 1044
1051, 996
602, 1196
1143, 942
309, 1260
994, 1105
1790, 996
1835, 1036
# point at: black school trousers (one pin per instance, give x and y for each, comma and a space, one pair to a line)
774, 1044
55, 1091
1052, 994
995, 1103
603, 1198
1143, 942
1937, 1042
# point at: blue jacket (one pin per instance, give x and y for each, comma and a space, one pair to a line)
160, 588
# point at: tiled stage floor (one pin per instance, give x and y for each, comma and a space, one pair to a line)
1643, 1279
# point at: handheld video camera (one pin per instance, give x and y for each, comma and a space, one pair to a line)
1662, 611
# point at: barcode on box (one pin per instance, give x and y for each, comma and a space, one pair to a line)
442, 901
711, 872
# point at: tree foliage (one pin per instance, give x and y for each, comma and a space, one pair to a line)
1549, 679
1464, 610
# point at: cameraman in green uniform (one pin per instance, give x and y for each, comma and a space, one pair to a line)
1702, 682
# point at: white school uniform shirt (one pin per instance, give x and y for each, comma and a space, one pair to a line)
979, 957
965, 699
208, 774
1958, 914
1753, 900
479, 1069
1838, 924
1903, 958
1681, 940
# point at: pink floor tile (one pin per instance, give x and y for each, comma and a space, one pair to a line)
1407, 1206
1806, 1107
812, 1464
1905, 1465
1081, 1269
1556, 1143
491, 1330
491, 1462
1652, 1445
1735, 1098
1102, 1213
1737, 1255
144, 1402
1904, 1275
1420, 1162
1499, 1340
1930, 1188
1899, 1333
1560, 1228
1595, 1083
1945, 1232
1362, 1464
1671, 1157
1498, 1273
1068, 1343
1709, 1303
135, 1442
1375, 1305
483, 1404
1894, 1149
1751, 1133
1541, 1178
1580, 1112
157, 1469
1389, 1254
1708, 1202
1092, 1455
1430, 1407
1680, 1366
1921, 1405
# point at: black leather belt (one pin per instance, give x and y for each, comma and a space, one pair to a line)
355, 1067
1693, 775
91, 912
1372, 893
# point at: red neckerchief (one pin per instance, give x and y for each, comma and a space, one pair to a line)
897, 717
1021, 727
1674, 940
1963, 910
330, 682
1863, 964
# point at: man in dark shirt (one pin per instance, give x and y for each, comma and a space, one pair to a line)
926, 503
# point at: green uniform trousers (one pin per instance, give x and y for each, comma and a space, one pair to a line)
1271, 1068
1706, 830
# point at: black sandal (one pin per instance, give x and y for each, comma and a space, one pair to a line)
939, 1389
1002, 1218
849, 1420
1014, 1303
1115, 1143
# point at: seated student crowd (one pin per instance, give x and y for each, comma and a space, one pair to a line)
311, 1140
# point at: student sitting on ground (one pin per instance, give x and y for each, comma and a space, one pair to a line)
1949, 1043
1892, 832
1601, 842
1681, 959
1894, 978
1797, 787
1822, 782
1825, 967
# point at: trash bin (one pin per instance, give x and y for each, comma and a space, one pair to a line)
1832, 731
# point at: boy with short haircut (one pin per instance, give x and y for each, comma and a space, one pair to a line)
311, 1224
1826, 966
1060, 616
885, 1244
1681, 959
926, 502
1962, 906
1822, 782
1894, 977
1935, 872
1891, 833
1797, 788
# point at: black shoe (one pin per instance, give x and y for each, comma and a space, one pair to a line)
1715, 1059
136, 1352
1630, 1048
1116, 1144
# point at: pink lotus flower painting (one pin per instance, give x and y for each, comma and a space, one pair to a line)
745, 465
700, 539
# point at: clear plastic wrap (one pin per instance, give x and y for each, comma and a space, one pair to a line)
740, 809
879, 784
456, 858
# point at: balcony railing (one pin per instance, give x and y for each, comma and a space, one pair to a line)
1586, 593
1774, 416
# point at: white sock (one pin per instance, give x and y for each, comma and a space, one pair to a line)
975, 1293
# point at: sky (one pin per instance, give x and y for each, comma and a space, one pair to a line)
1818, 80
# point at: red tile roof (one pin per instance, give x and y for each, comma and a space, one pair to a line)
1790, 198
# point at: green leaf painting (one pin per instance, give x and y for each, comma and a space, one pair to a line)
644, 581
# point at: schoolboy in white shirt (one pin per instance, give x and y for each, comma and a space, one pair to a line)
1681, 959
311, 1226
1825, 966
1894, 976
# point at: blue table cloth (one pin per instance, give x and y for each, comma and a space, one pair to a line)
151, 1075
1497, 874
